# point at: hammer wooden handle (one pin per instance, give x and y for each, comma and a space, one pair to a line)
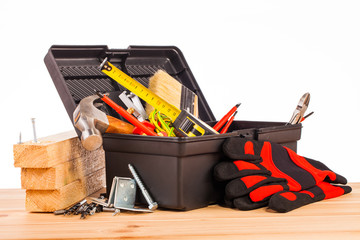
118, 126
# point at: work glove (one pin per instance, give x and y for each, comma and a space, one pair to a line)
259, 174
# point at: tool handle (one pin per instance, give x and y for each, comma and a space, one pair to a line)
226, 127
118, 126
306, 116
222, 121
127, 115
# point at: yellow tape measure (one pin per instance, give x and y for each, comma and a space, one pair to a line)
183, 121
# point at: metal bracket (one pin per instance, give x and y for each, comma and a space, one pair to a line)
122, 195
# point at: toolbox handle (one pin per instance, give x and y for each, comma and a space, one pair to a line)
114, 56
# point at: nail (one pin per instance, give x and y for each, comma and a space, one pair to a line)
20, 138
34, 131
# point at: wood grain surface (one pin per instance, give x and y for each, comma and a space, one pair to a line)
62, 174
51, 200
337, 218
58, 172
49, 151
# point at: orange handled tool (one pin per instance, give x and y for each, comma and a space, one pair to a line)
126, 115
226, 127
306, 116
222, 121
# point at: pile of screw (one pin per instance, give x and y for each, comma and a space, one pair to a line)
102, 204
83, 208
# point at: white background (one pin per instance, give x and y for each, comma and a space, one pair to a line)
264, 54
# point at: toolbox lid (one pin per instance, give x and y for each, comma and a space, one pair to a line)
76, 74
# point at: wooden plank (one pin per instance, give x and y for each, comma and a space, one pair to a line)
57, 171
63, 173
49, 151
337, 218
51, 200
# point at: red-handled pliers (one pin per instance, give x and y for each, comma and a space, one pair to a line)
299, 112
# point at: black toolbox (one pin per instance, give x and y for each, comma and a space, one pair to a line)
176, 171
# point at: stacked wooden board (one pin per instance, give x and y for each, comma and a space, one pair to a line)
57, 171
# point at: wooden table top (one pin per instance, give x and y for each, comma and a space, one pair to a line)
337, 218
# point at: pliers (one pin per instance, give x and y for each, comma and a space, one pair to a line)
133, 101
300, 109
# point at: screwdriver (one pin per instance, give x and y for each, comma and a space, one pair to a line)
226, 127
125, 114
222, 121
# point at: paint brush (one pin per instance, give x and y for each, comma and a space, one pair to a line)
173, 92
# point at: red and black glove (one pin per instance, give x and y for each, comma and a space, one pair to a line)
266, 174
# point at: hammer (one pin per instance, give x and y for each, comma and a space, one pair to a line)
92, 123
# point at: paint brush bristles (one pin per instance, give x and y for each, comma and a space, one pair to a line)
173, 92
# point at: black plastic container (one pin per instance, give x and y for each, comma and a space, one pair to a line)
176, 171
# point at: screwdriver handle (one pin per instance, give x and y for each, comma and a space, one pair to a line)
226, 127
222, 121
126, 115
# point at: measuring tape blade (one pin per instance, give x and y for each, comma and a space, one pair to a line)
183, 121
140, 90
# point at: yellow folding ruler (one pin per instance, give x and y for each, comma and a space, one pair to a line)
183, 121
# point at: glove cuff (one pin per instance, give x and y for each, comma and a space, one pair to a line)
242, 148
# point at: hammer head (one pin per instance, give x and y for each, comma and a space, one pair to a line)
91, 122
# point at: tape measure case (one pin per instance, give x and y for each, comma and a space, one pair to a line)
176, 171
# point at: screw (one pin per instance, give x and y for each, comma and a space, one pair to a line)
152, 205
60, 212
117, 211
93, 210
85, 211
34, 131
99, 208
74, 208
107, 209
82, 205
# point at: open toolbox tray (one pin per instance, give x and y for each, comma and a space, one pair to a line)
176, 171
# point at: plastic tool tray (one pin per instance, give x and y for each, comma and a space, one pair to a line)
176, 171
